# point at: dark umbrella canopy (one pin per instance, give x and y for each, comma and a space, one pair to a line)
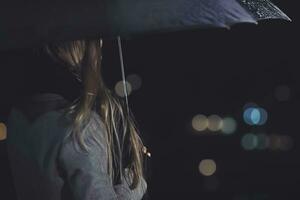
29, 23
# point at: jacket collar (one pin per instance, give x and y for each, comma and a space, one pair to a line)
35, 105
46, 97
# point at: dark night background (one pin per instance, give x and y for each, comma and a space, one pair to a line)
201, 72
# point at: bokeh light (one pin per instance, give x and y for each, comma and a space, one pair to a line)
262, 141
3, 131
264, 116
135, 81
229, 125
215, 123
255, 116
275, 142
119, 88
249, 141
282, 93
280, 142
207, 167
200, 122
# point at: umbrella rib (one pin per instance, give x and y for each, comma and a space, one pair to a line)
123, 72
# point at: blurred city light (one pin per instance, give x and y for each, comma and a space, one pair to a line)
135, 81
207, 167
3, 131
249, 141
251, 115
255, 116
275, 142
280, 142
200, 122
229, 125
215, 123
282, 93
262, 141
119, 88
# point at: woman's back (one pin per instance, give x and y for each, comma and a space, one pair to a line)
48, 165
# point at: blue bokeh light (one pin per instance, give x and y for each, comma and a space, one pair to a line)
255, 116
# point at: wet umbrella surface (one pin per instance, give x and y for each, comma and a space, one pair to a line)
42, 21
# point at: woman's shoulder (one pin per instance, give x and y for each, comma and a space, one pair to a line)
93, 134
94, 146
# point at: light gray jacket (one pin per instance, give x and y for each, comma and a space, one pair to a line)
47, 165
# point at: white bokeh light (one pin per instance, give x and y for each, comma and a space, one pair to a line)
200, 122
135, 80
207, 167
215, 123
119, 88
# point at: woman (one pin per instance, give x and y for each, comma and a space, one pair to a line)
86, 149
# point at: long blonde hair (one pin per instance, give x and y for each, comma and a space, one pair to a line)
83, 59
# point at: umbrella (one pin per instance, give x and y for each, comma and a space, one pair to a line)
30, 23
